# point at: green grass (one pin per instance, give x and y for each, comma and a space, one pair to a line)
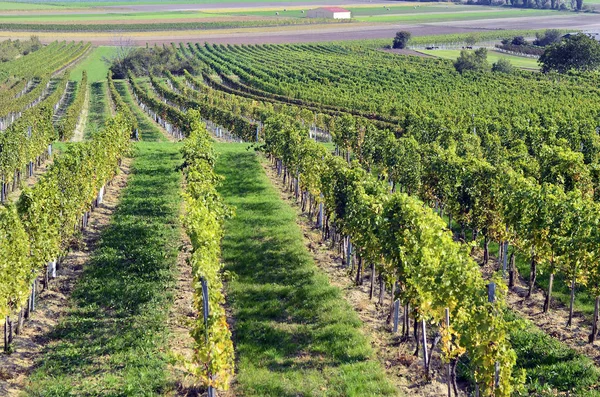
98, 108
294, 332
114, 340
19, 6
550, 366
493, 56
112, 16
151, 132
93, 63
462, 16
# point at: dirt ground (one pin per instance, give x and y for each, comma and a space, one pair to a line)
554, 322
316, 33
53, 303
396, 356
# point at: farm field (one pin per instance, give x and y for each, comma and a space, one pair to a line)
493, 56
200, 217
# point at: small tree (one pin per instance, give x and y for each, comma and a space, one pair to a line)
550, 36
519, 40
578, 52
503, 65
471, 40
476, 60
401, 39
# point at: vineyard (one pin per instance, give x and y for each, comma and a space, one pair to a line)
353, 223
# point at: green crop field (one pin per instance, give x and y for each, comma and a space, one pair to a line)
108, 17
493, 56
94, 64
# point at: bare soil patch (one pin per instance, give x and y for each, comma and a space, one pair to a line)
54, 302
554, 322
406, 51
181, 317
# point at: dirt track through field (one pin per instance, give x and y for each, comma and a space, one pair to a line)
316, 33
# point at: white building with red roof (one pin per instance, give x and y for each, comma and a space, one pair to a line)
329, 12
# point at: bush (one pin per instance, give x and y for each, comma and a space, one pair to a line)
401, 39
519, 40
503, 65
522, 49
550, 36
472, 60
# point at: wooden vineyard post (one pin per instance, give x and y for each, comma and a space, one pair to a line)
592, 337
424, 337
6, 337
449, 368
492, 299
204, 284
491, 292
504, 258
396, 313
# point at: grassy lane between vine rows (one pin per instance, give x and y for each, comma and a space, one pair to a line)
294, 333
151, 130
98, 108
114, 339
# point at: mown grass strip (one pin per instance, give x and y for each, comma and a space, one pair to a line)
294, 333
98, 108
151, 132
114, 340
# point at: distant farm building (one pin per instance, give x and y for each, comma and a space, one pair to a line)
329, 12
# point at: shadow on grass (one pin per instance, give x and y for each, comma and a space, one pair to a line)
113, 341
294, 333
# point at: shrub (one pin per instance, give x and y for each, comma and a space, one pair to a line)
550, 36
503, 65
519, 40
401, 39
472, 60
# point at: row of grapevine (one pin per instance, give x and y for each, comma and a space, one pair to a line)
434, 272
25, 144
38, 229
205, 213
408, 244
501, 177
68, 122
11, 105
122, 107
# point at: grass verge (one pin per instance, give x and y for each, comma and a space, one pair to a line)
294, 333
94, 65
114, 340
98, 108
